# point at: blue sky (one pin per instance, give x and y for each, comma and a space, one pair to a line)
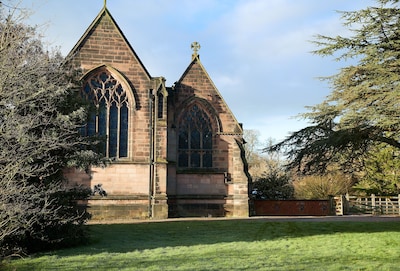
257, 52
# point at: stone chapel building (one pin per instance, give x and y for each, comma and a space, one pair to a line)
176, 151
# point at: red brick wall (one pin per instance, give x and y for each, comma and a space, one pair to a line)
292, 207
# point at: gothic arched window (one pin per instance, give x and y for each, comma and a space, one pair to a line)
195, 139
111, 115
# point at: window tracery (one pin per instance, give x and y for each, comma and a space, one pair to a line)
195, 139
111, 115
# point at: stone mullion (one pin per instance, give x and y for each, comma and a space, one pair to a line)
118, 129
201, 150
189, 148
129, 135
97, 120
108, 129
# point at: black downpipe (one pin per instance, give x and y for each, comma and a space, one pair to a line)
151, 160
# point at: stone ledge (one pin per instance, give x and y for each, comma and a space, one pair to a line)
120, 197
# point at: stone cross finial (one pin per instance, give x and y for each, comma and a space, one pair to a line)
105, 3
195, 47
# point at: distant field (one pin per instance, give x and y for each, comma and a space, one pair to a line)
229, 245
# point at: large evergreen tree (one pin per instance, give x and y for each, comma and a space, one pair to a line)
39, 120
381, 173
363, 109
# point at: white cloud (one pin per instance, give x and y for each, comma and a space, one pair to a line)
254, 27
226, 80
257, 52
276, 127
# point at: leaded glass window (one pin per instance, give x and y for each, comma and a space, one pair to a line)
111, 116
160, 109
195, 139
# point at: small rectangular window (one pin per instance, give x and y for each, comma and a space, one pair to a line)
160, 107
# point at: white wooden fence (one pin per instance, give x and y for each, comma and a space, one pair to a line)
387, 205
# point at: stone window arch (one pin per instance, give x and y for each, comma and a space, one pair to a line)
110, 118
195, 138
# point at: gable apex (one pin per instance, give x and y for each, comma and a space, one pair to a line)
105, 13
197, 80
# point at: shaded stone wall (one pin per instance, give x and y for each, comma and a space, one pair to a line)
148, 183
127, 181
222, 189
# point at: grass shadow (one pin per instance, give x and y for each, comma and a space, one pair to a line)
123, 238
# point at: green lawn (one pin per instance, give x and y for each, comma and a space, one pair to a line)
229, 245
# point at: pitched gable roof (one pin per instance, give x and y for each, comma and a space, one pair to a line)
203, 80
103, 14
